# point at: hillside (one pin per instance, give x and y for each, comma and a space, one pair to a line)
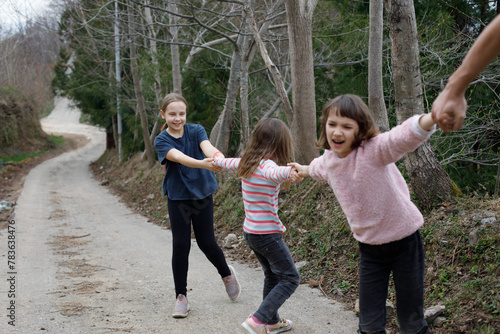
23, 144
20, 129
462, 241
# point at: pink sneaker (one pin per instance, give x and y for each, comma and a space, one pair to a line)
252, 327
181, 308
232, 285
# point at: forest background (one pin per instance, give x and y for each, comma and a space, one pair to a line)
239, 61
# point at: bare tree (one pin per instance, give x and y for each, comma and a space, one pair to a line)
427, 177
174, 48
224, 124
273, 70
299, 16
376, 100
27, 58
141, 108
154, 60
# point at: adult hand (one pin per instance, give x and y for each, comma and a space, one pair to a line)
448, 110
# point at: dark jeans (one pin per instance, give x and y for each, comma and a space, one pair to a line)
405, 258
281, 276
200, 213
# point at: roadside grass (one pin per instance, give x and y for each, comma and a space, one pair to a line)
15, 156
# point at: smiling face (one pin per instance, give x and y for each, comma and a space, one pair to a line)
340, 133
175, 117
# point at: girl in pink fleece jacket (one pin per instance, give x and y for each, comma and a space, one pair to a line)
359, 165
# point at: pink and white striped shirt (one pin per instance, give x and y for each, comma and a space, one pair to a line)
260, 195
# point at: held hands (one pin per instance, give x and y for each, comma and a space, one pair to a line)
300, 170
208, 163
295, 177
448, 110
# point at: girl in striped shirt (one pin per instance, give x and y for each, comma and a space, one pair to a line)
262, 169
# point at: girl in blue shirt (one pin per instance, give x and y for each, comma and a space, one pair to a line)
189, 183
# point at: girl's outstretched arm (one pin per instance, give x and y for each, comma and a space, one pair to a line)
227, 163
275, 173
179, 157
209, 150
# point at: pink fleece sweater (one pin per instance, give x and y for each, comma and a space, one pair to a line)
369, 187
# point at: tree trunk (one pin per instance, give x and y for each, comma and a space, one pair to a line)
273, 70
174, 49
154, 60
299, 16
497, 183
245, 65
429, 181
224, 124
138, 91
376, 100
245, 48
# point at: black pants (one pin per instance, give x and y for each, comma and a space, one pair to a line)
200, 214
405, 259
281, 277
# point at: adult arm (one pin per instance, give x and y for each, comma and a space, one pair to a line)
448, 110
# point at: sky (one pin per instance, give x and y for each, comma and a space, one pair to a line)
13, 12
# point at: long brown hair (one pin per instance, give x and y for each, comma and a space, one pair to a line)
353, 107
169, 98
271, 139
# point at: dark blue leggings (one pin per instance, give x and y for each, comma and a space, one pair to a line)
200, 214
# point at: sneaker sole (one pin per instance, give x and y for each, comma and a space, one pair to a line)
248, 328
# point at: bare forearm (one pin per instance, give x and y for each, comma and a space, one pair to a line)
179, 157
482, 52
210, 151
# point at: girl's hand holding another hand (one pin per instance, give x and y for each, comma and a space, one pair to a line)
208, 163
295, 177
301, 170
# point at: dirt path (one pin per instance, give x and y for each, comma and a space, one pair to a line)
84, 263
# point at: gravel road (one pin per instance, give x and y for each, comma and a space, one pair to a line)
82, 262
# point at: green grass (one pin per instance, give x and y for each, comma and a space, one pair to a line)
18, 156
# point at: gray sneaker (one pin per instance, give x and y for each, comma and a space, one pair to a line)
232, 285
181, 308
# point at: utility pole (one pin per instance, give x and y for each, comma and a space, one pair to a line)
118, 81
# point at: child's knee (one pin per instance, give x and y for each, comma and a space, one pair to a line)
295, 279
